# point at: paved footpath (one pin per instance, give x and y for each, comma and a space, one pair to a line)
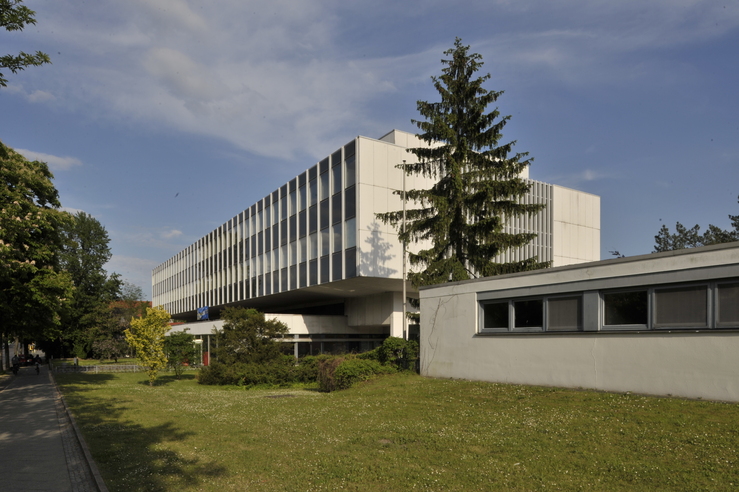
39, 450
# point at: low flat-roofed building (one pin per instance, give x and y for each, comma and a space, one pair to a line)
664, 324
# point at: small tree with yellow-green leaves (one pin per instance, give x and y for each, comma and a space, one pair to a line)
146, 336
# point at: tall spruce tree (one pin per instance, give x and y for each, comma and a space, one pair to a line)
479, 181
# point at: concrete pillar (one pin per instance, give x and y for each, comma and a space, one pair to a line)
396, 317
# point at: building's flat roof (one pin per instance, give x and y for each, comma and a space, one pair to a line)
668, 261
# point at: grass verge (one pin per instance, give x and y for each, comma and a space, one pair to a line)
399, 432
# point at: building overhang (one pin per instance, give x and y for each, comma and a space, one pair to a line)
306, 298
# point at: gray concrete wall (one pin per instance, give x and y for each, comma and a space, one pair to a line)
688, 363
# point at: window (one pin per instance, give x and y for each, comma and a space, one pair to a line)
626, 309
336, 236
727, 303
336, 208
564, 314
350, 233
324, 190
529, 314
681, 307
350, 202
336, 270
350, 260
336, 178
350, 171
495, 315
324, 269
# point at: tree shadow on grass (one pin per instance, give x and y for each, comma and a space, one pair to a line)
133, 456
168, 379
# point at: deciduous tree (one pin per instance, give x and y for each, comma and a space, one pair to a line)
146, 336
84, 253
14, 16
34, 292
479, 183
180, 348
248, 337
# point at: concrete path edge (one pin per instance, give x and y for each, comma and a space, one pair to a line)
81, 440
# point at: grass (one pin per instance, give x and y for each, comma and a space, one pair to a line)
400, 432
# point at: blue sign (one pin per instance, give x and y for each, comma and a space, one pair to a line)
203, 313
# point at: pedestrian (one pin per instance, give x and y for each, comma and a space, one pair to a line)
16, 364
76, 361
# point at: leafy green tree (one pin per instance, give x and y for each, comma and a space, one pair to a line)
34, 292
84, 253
479, 183
109, 348
180, 348
692, 238
14, 17
146, 336
247, 337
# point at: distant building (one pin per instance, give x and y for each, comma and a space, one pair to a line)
663, 324
313, 251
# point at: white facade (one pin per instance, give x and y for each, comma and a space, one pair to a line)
663, 324
315, 247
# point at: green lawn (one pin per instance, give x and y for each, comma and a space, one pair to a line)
399, 433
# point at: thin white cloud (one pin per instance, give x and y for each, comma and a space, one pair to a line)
284, 78
170, 234
579, 178
40, 96
54, 162
73, 211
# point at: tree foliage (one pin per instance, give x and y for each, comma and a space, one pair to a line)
479, 181
146, 336
85, 251
692, 238
14, 17
34, 292
109, 348
247, 337
180, 348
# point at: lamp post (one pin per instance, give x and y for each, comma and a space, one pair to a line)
405, 297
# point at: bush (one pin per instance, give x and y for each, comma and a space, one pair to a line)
280, 372
398, 353
341, 373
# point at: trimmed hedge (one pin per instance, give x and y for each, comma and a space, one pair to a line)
341, 373
281, 372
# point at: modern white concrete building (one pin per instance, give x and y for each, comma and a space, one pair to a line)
663, 324
314, 249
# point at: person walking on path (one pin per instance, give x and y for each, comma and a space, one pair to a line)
37, 443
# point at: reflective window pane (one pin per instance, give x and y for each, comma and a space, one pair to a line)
529, 314
495, 315
626, 308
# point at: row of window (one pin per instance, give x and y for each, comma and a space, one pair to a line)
700, 306
303, 231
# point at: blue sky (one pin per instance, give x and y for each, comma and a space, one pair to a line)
165, 118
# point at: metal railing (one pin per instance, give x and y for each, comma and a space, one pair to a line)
64, 368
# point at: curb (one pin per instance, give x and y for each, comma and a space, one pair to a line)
99, 482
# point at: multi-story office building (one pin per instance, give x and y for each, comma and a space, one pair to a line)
314, 252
